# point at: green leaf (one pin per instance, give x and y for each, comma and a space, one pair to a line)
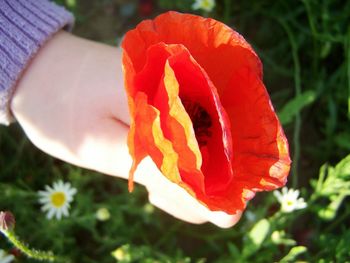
343, 167
294, 253
294, 106
71, 3
329, 212
234, 252
255, 237
333, 183
326, 49
259, 231
343, 140
321, 178
279, 238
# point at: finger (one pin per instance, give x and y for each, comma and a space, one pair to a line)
192, 212
183, 212
176, 201
223, 220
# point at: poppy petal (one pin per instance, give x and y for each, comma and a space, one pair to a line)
148, 133
176, 128
197, 89
261, 157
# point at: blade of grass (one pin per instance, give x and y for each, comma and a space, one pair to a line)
347, 52
227, 11
297, 84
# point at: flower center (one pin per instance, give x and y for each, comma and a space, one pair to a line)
58, 199
290, 203
201, 121
206, 4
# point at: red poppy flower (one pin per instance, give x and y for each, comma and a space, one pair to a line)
199, 109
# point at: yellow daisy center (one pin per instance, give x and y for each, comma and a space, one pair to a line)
206, 4
290, 202
58, 199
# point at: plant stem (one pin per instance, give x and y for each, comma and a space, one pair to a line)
347, 55
227, 11
31, 253
297, 82
336, 222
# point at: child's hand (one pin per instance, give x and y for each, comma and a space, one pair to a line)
71, 104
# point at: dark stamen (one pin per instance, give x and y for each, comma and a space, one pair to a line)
201, 121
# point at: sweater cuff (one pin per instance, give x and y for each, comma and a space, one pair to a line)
25, 25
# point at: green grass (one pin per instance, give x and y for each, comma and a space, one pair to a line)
305, 49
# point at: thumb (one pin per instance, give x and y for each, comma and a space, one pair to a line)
174, 200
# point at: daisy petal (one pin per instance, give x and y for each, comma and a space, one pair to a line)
56, 200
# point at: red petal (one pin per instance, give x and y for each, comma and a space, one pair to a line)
177, 128
215, 46
196, 86
261, 157
149, 135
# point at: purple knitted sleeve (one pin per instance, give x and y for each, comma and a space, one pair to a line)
25, 25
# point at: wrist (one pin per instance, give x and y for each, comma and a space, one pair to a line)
69, 62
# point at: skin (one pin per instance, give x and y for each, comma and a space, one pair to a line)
70, 102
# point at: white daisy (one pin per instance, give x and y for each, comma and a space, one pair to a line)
5, 258
289, 200
56, 200
206, 5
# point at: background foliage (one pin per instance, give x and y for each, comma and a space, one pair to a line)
305, 49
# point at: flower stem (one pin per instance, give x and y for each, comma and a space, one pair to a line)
297, 83
227, 11
347, 54
31, 253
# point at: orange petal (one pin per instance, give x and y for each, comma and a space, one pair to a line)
215, 46
149, 135
261, 158
196, 87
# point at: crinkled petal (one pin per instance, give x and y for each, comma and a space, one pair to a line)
151, 138
260, 149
